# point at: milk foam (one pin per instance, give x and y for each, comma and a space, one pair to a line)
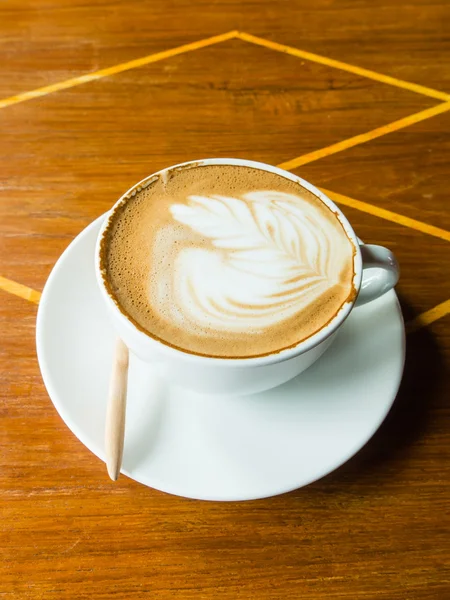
270, 257
236, 274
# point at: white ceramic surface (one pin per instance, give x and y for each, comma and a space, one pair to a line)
253, 374
216, 447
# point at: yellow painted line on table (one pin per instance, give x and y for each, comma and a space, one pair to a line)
388, 215
114, 70
8, 285
337, 64
247, 37
428, 317
365, 137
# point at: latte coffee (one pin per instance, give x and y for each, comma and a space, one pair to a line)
226, 261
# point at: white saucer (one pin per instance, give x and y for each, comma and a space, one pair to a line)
216, 448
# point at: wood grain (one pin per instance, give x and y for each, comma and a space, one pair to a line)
378, 528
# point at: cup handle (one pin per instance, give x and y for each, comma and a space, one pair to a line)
380, 273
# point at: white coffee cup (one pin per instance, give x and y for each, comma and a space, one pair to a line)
375, 272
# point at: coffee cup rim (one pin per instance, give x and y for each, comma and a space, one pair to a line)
277, 356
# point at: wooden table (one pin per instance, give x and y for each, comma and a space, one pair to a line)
351, 96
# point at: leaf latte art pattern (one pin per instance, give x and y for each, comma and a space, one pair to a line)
260, 259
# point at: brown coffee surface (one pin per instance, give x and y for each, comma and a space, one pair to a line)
227, 261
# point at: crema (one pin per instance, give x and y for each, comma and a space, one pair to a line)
227, 261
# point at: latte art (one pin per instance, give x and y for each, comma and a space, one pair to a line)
270, 258
227, 261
